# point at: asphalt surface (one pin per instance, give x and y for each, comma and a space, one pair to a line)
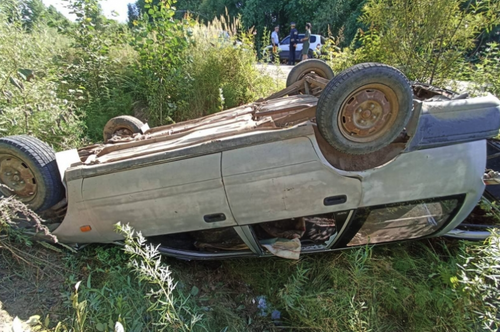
276, 71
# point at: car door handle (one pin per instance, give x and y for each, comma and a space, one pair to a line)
214, 217
334, 200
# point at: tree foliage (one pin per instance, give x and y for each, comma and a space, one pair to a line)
326, 17
428, 38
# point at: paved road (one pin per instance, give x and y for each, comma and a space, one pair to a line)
279, 72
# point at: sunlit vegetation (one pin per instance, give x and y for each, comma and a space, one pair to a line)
61, 81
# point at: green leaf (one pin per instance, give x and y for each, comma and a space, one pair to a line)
100, 327
150, 41
195, 290
16, 83
26, 74
151, 12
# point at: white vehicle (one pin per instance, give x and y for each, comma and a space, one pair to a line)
328, 163
284, 48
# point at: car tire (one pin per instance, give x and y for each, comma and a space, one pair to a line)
364, 108
308, 66
28, 167
127, 123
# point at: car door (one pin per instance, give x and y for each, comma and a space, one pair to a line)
285, 48
162, 198
284, 179
298, 49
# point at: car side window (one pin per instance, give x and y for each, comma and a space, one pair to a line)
313, 39
285, 41
403, 221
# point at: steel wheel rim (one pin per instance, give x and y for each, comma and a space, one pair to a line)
367, 113
16, 175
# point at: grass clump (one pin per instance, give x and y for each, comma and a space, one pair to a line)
479, 280
222, 69
170, 309
405, 287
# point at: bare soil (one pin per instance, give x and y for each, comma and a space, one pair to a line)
31, 284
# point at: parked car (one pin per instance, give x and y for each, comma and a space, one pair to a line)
284, 48
330, 162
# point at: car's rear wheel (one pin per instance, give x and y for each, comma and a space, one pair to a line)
364, 108
28, 170
309, 66
122, 125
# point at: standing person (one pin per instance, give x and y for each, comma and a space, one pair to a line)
306, 41
294, 39
276, 41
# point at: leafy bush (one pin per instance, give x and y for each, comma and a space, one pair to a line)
30, 85
429, 41
96, 67
160, 43
485, 72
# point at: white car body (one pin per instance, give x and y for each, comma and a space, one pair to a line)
284, 47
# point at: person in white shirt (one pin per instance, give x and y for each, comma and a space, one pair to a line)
275, 40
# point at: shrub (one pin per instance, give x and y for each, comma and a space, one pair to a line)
485, 72
221, 69
160, 42
97, 67
429, 41
30, 101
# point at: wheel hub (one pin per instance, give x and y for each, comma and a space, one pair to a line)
18, 177
367, 113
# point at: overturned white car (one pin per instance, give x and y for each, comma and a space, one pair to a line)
330, 162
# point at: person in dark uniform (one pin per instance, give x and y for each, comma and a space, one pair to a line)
294, 39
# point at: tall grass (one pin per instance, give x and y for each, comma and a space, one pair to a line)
405, 287
222, 69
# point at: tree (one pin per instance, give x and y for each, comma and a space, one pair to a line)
55, 19
33, 11
428, 39
132, 14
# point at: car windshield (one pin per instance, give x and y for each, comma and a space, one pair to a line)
286, 40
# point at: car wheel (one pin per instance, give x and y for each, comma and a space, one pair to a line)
124, 125
309, 66
28, 170
364, 108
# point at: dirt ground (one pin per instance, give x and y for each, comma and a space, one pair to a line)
30, 285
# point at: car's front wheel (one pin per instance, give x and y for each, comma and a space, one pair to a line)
28, 170
364, 108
